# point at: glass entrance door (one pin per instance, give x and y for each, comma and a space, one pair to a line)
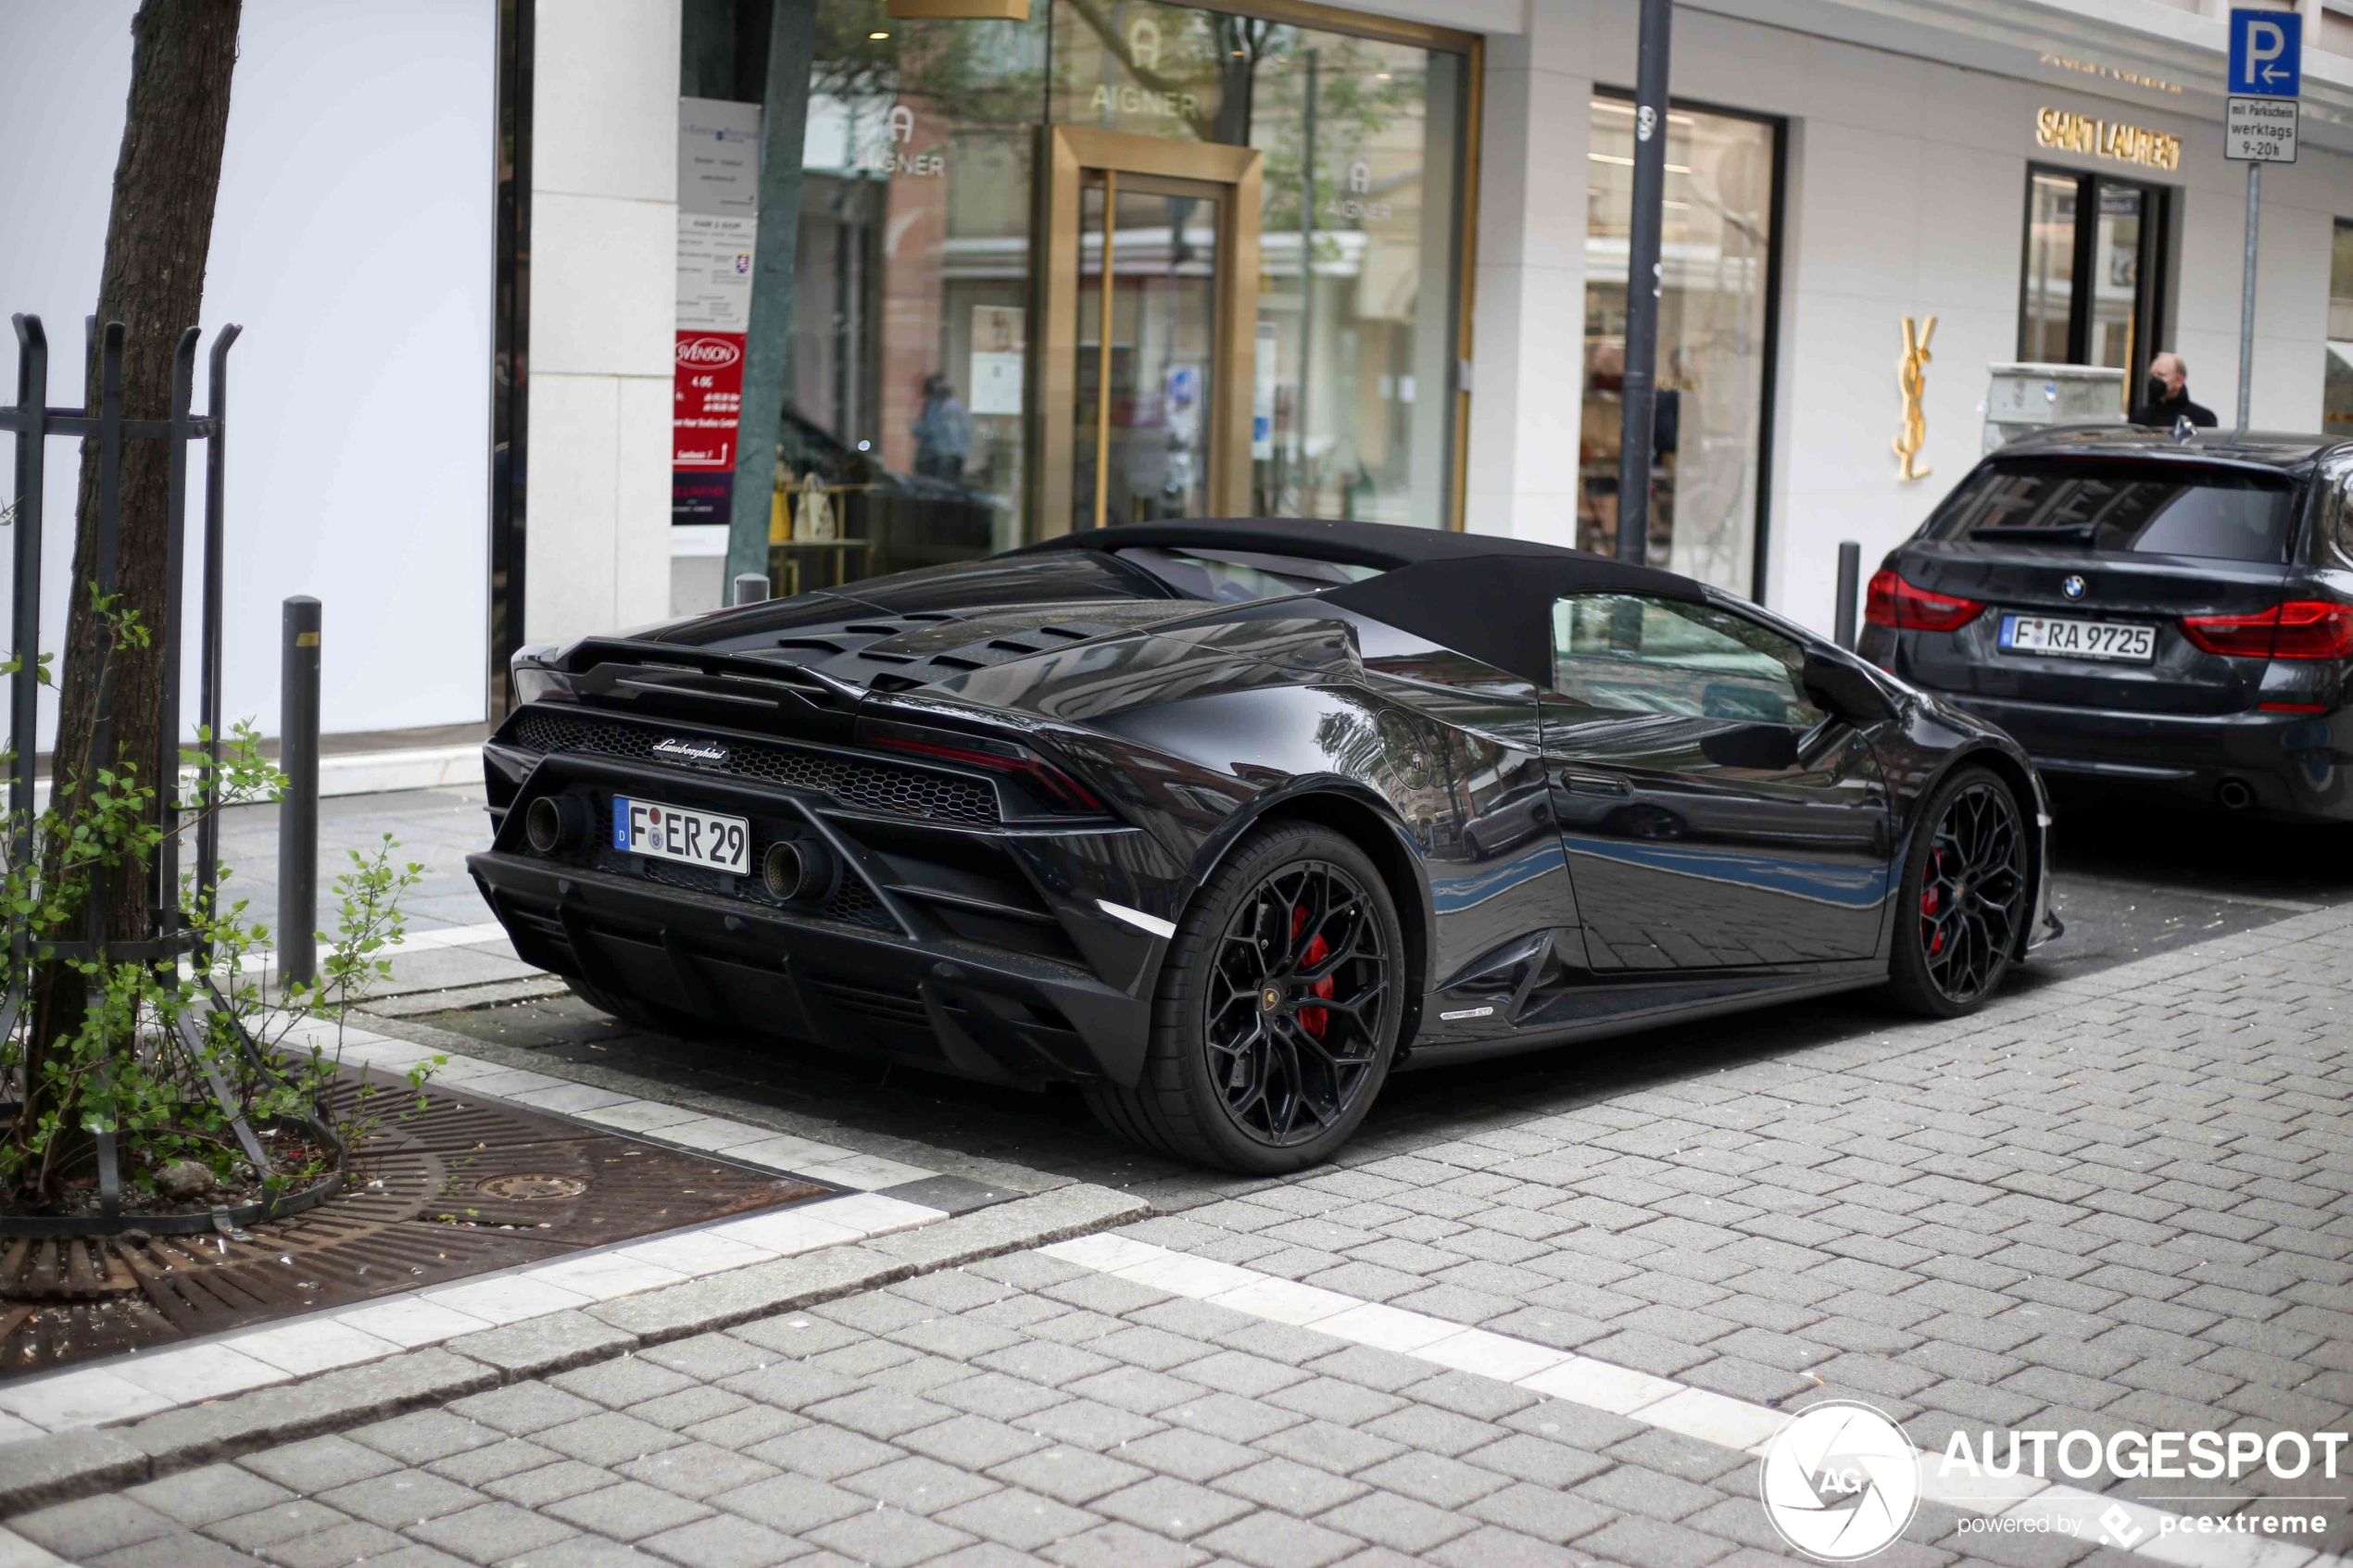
1150, 289
2115, 324
1147, 366
2092, 288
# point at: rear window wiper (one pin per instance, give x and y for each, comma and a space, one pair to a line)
2035, 534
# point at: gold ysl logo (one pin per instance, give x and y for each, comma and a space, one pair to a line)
1911, 376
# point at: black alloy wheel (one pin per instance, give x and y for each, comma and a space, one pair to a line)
1278, 1010
1297, 986
1969, 896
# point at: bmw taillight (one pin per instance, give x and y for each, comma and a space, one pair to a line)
2298, 629
1892, 602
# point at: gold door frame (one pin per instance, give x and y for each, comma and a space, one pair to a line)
1066, 150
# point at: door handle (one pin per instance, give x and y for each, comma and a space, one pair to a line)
1596, 784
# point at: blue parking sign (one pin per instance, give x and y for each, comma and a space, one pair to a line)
2267, 54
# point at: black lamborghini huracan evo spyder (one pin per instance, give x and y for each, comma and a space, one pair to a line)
1222, 821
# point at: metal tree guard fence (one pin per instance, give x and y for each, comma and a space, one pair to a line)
169, 936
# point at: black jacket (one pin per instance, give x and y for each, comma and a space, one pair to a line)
2161, 415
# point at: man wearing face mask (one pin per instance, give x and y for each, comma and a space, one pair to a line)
2167, 395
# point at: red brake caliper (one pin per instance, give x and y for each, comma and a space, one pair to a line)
1314, 1020
1929, 905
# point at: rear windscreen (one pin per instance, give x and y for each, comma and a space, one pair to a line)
2148, 509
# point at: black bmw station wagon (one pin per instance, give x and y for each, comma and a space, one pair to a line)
2145, 613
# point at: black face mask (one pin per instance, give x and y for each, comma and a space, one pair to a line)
2156, 390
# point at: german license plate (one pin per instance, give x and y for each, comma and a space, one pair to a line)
680, 832
2078, 639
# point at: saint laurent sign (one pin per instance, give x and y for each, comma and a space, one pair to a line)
2065, 132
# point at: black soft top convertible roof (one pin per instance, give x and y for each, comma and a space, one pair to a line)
1384, 544
1480, 595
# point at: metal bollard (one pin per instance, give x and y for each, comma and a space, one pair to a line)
298, 812
1850, 571
749, 588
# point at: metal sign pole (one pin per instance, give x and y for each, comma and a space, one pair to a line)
1639, 399
2247, 290
2259, 124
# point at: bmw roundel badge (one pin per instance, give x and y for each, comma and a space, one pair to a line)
2073, 586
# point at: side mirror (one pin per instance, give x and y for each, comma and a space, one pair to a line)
1768, 748
1844, 692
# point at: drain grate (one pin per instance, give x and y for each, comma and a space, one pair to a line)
455, 1190
534, 1188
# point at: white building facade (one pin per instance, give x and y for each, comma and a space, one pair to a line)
1428, 330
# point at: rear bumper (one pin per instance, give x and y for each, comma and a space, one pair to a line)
1013, 952
2292, 765
999, 1016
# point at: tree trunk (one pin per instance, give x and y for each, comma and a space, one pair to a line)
166, 178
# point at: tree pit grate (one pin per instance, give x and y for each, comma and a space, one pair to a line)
436, 1194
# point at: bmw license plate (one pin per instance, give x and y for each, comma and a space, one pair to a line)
2078, 639
682, 834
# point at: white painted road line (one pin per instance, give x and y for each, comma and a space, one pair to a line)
1654, 1401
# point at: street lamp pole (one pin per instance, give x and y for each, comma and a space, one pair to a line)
1641, 396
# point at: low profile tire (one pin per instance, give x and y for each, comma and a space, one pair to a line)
650, 1016
1966, 897
1278, 1010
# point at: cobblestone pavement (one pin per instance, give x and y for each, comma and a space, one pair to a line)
2121, 1201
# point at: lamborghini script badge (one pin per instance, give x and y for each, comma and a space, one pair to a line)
700, 753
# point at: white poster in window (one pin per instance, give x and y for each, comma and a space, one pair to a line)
718, 208
718, 157
999, 349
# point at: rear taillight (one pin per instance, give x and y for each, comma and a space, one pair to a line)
2298, 629
2314, 629
979, 752
1892, 602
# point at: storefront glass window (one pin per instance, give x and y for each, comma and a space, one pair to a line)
911, 300
2050, 270
916, 374
1715, 307
1352, 415
2336, 397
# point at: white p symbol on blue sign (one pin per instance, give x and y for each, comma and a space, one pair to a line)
2266, 53
2265, 41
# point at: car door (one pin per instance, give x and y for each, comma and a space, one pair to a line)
1465, 740
1712, 815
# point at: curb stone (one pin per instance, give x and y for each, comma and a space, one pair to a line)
536, 1346
40, 1471
36, 1472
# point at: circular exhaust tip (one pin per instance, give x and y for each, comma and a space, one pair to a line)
555, 823
795, 868
2234, 795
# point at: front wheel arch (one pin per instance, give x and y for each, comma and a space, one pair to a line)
1383, 839
1183, 1103
2029, 805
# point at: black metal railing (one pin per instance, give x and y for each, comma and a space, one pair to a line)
168, 933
